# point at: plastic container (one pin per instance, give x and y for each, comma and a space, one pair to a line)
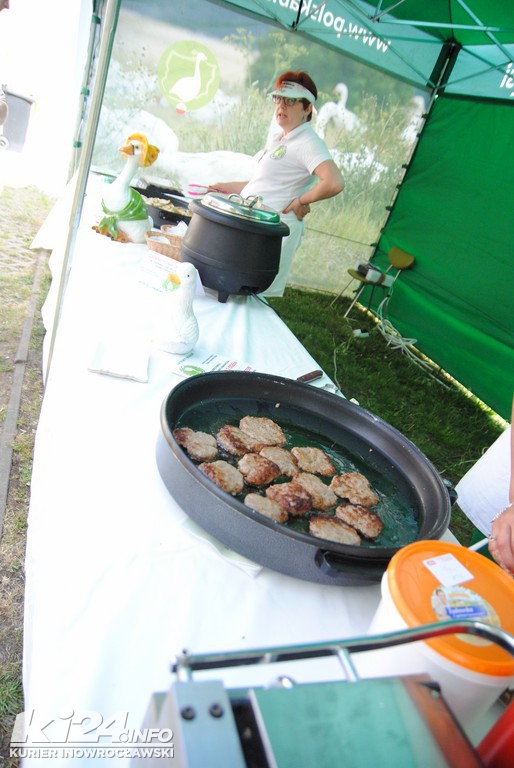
430, 581
15, 127
380, 278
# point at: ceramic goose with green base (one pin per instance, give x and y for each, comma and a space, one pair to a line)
125, 214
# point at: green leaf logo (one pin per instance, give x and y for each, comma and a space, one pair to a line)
191, 370
279, 152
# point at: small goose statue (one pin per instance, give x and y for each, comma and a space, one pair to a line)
125, 214
178, 331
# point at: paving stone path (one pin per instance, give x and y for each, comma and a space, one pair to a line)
22, 211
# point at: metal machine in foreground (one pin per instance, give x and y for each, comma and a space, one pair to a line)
358, 722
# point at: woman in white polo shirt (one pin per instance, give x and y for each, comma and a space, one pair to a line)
294, 170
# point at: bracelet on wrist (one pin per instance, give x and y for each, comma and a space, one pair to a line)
500, 513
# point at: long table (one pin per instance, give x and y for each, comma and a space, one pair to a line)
117, 582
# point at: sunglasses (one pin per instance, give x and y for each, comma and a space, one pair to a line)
287, 101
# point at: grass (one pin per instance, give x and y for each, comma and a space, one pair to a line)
447, 423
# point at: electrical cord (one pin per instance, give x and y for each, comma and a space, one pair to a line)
397, 341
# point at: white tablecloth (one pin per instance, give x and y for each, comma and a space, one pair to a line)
116, 585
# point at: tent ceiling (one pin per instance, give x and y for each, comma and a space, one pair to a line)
411, 39
474, 22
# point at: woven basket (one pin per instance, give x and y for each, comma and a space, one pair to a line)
172, 249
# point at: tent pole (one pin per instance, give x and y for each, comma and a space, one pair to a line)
109, 23
94, 33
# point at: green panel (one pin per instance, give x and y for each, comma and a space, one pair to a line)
328, 725
454, 214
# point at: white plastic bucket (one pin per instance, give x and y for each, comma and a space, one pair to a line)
463, 665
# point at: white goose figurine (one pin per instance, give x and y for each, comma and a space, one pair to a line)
178, 325
125, 214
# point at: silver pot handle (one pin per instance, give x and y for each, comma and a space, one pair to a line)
253, 200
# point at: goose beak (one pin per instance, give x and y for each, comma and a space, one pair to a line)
127, 150
174, 278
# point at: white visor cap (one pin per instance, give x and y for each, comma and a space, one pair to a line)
293, 91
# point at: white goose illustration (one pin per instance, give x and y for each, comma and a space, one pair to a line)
187, 88
418, 107
337, 113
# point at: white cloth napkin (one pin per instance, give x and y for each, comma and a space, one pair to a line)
126, 358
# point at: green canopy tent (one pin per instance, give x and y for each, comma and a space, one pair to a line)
452, 209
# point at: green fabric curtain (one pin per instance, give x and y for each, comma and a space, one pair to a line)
454, 214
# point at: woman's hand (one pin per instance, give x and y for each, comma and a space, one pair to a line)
501, 540
299, 209
330, 183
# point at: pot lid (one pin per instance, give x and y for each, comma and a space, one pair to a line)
249, 208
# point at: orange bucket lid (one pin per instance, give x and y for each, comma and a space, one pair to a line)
433, 581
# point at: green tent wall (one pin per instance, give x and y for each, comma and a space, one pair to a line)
454, 214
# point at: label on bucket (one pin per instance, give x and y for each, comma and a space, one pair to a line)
448, 570
460, 603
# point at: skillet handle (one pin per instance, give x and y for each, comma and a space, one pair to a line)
333, 565
452, 492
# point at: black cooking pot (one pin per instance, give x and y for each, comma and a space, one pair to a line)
414, 505
235, 244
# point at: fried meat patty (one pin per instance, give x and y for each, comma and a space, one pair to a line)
333, 529
290, 496
236, 442
366, 522
354, 487
322, 496
257, 469
266, 507
314, 460
262, 429
283, 458
224, 475
198, 445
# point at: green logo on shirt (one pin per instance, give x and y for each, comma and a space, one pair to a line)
279, 152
